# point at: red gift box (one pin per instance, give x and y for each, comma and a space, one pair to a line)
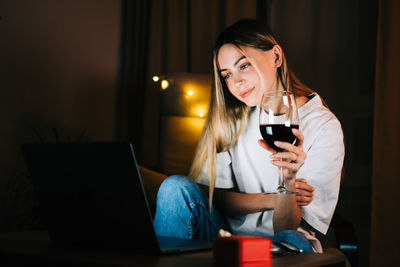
244, 251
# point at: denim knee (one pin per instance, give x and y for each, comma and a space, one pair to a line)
179, 187
182, 210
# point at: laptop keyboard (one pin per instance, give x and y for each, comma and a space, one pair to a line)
181, 244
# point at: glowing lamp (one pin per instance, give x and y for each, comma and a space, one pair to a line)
164, 84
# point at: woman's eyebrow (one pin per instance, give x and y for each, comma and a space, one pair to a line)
236, 62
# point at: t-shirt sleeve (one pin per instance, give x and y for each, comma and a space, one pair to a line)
322, 169
224, 173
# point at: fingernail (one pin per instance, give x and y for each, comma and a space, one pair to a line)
277, 143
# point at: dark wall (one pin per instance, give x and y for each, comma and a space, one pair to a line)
58, 75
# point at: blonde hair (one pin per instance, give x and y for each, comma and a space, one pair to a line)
227, 116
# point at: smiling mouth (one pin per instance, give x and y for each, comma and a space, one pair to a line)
246, 93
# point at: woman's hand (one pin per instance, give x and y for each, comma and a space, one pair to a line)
304, 192
291, 159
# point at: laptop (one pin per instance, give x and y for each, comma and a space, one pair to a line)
91, 194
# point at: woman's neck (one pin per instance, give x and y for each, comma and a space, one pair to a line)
301, 100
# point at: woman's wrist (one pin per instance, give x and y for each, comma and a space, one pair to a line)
291, 184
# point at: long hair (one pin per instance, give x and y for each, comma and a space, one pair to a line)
227, 116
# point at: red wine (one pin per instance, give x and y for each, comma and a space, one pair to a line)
277, 132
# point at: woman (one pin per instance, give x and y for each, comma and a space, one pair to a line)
232, 157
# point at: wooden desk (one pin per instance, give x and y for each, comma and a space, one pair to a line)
33, 248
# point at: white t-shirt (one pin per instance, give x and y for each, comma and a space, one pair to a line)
247, 167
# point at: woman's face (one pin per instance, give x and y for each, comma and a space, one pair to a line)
249, 72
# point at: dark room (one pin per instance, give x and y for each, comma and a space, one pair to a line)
162, 81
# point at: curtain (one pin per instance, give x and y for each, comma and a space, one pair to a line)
385, 217
135, 20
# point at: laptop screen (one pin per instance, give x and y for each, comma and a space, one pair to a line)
91, 193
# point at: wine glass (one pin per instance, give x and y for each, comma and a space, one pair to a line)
278, 115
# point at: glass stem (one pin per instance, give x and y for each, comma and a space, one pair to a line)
281, 187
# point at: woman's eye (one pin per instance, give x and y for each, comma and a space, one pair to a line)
227, 76
245, 66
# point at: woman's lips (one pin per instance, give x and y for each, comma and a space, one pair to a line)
246, 93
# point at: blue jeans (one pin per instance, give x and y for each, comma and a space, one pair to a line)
182, 211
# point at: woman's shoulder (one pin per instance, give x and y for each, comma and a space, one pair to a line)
313, 103
301, 100
316, 113
317, 120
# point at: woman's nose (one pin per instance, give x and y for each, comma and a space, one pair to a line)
239, 81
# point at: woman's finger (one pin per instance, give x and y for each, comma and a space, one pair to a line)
289, 160
264, 145
292, 166
291, 147
289, 156
299, 135
303, 203
284, 145
303, 199
304, 193
296, 151
303, 185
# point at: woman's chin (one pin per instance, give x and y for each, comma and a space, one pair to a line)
251, 102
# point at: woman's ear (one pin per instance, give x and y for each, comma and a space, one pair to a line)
277, 50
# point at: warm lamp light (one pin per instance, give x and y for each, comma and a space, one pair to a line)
199, 110
164, 84
164, 81
188, 95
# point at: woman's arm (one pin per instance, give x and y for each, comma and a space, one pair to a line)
287, 213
